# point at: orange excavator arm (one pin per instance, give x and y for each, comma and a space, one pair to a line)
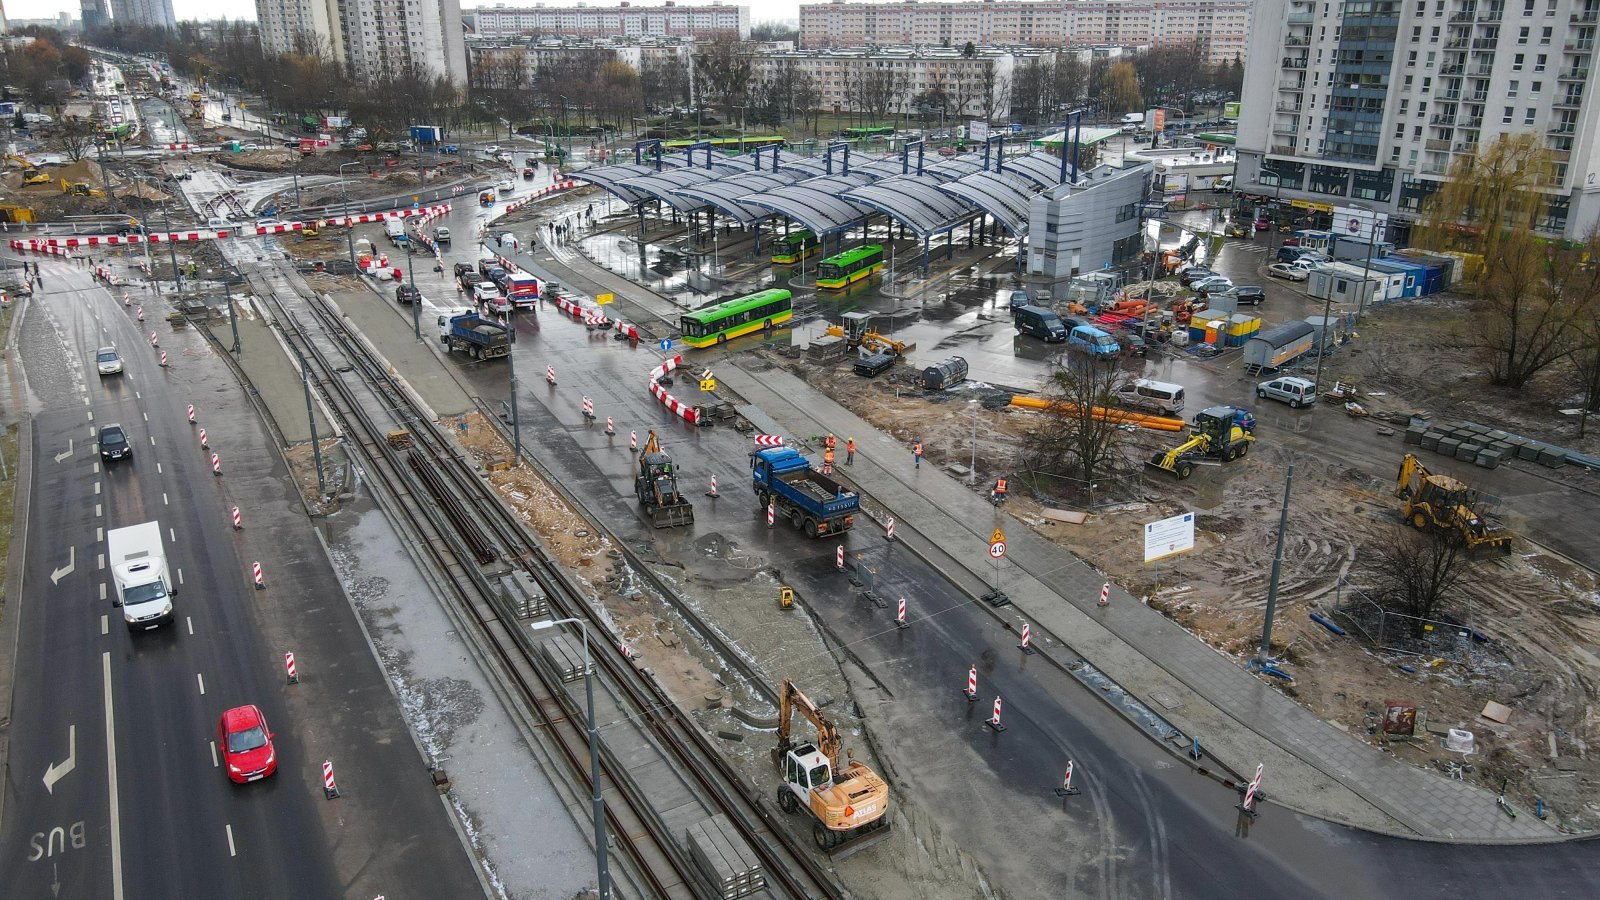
791, 699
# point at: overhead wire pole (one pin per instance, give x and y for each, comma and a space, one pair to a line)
311, 416
1265, 653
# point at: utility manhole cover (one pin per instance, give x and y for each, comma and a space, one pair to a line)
1166, 700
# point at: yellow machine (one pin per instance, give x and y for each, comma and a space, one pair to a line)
857, 332
81, 189
657, 487
16, 215
1216, 432
1443, 502
36, 178
849, 806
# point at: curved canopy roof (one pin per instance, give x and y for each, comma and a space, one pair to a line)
612, 177
915, 201
817, 203
1042, 169
724, 193
1003, 195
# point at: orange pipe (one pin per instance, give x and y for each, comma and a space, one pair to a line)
1121, 416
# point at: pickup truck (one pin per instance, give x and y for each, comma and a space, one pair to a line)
475, 336
815, 503
139, 570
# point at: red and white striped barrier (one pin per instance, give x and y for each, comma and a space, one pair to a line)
216, 464
39, 245
1249, 804
610, 428
713, 492
540, 194
139, 312
631, 332
163, 359
288, 664
180, 146
900, 614
994, 719
191, 414
329, 789
1027, 638
771, 515
627, 652
633, 440
588, 408
769, 440
550, 374
688, 413
1105, 594
838, 558
972, 683
203, 441
154, 340
888, 528
1066, 789
238, 521
597, 321
255, 573
567, 306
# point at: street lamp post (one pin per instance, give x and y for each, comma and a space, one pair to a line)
602, 874
349, 232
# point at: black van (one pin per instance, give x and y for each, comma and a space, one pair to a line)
1038, 322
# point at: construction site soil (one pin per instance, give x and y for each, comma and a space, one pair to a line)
1539, 610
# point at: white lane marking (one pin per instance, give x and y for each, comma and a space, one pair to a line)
97, 488
55, 772
152, 440
111, 770
102, 590
71, 566
214, 762
99, 534
100, 560
172, 533
95, 469
201, 679
158, 468
98, 511
180, 576
188, 620
138, 396
146, 416
231, 850
91, 413
105, 621
164, 500
67, 453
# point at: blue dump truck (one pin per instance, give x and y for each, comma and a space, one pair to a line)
815, 503
475, 336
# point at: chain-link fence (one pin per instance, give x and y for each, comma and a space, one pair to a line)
1067, 491
1445, 637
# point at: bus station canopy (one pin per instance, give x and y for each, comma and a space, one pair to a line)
1043, 169
664, 185
611, 177
724, 193
817, 203
1004, 195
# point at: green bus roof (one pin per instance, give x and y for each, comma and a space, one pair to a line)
796, 237
679, 144
1213, 138
728, 307
852, 255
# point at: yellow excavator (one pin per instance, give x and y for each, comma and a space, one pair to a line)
657, 487
858, 332
850, 806
1439, 501
1220, 432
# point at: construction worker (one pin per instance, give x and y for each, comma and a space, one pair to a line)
850, 452
999, 494
916, 451
830, 442
827, 461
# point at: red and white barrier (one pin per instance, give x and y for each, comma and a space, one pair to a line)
203, 441
1027, 638
288, 664
1249, 803
610, 428
631, 332
540, 194
39, 245
771, 515
238, 521
900, 613
255, 573
688, 413
769, 440
329, 789
994, 720
633, 440
567, 306
972, 683
550, 374
1105, 594
139, 312
154, 340
838, 558
163, 359
713, 492
216, 464
191, 413
588, 408
888, 528
627, 652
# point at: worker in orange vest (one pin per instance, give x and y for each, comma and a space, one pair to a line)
850, 452
830, 442
827, 461
916, 451
999, 494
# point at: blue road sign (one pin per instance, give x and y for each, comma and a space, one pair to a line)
666, 344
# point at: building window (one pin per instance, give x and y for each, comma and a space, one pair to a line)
1506, 119
1538, 65
1411, 60
1528, 114
1522, 34
1544, 40
1516, 62
1511, 90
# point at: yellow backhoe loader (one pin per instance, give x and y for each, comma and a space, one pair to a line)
858, 332
657, 487
1439, 501
849, 807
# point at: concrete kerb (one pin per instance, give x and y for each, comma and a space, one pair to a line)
10, 634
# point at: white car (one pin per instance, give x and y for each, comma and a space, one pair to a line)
506, 187
245, 148
1213, 285
1291, 271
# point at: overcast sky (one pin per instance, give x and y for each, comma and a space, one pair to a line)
760, 10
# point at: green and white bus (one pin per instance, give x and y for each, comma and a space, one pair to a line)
844, 269
732, 318
795, 246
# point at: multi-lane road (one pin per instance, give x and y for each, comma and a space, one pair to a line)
113, 786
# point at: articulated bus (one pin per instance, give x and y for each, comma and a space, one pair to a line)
729, 145
868, 131
837, 272
732, 318
795, 246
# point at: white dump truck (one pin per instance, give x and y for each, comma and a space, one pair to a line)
139, 569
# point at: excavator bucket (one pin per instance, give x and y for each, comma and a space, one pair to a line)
673, 516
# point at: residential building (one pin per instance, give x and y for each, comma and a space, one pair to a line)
673, 20
977, 86
1372, 101
1221, 26
150, 13
291, 25
94, 14
373, 38
485, 56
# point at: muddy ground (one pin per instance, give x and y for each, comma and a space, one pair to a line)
1542, 609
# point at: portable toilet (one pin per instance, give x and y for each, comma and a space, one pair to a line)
1241, 328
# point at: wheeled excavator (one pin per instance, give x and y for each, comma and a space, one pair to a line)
1215, 433
657, 487
1439, 501
849, 807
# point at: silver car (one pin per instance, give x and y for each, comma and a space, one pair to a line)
107, 361
1296, 392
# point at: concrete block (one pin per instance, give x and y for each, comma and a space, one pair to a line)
1430, 439
1468, 452
1448, 446
1489, 459
1414, 434
1552, 457
1530, 451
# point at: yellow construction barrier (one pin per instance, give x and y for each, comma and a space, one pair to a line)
1120, 416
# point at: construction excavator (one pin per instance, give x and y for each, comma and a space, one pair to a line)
1439, 501
657, 487
859, 334
850, 806
1215, 433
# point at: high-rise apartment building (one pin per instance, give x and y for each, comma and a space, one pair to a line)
153, 13
1221, 26
94, 14
1369, 102
372, 38
626, 21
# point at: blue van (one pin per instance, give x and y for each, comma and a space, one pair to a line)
1091, 340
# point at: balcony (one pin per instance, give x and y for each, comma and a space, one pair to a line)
1482, 72
1579, 46
1571, 101
1491, 14
1282, 149
1292, 85
1574, 75
1449, 95
1300, 18
1485, 43
1453, 69
1478, 98
1286, 129
1294, 62
1434, 168
1464, 148
1289, 107
1474, 122
1588, 15
1463, 16
1436, 145
1443, 121
1562, 128
1456, 44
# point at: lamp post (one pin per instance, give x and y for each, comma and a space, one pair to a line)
1371, 228
349, 232
602, 875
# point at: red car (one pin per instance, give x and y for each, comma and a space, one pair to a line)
246, 744
1263, 225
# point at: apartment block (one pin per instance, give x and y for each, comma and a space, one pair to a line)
1221, 26
671, 20
978, 86
373, 38
1371, 101
153, 13
291, 25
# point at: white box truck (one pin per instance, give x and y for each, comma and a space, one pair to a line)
139, 569
395, 229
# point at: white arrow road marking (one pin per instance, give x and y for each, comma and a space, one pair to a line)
68, 569
65, 453
58, 771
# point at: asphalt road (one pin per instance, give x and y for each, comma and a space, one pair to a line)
1144, 827
126, 722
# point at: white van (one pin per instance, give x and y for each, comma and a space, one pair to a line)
1156, 396
395, 230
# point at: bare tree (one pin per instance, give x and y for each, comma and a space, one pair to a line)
1419, 570
808, 99
995, 91
1076, 441
875, 89
74, 136
665, 82
723, 70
